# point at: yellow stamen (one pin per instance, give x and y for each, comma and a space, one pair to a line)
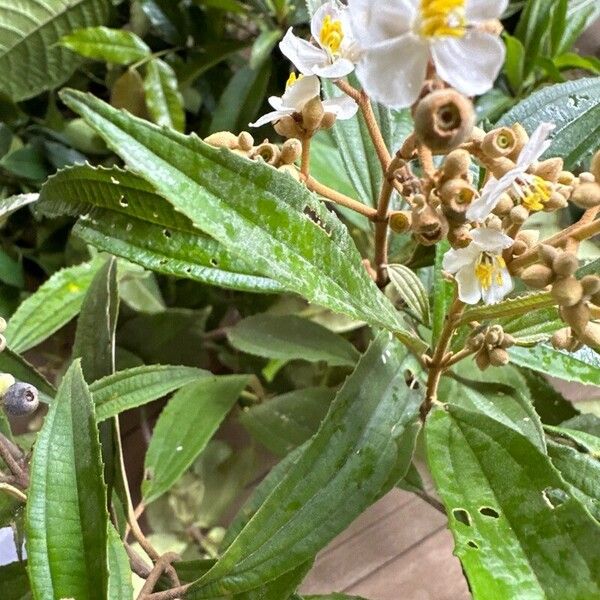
537, 193
440, 18
488, 270
293, 79
332, 34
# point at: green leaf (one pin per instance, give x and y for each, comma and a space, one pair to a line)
263, 45
14, 583
137, 386
363, 447
532, 30
515, 62
119, 571
13, 203
31, 59
122, 214
184, 427
66, 522
513, 518
411, 290
574, 107
53, 305
250, 207
288, 337
443, 293
163, 99
21, 370
332, 597
111, 45
27, 162
287, 421
548, 403
582, 366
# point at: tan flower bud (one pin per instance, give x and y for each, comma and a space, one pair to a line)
566, 178
567, 291
556, 202
328, 120
499, 142
519, 247
577, 316
522, 137
565, 264
312, 114
595, 166
400, 221
498, 357
428, 225
549, 169
482, 360
456, 165
287, 127
586, 177
443, 120
245, 141
504, 206
548, 253
222, 139
475, 342
537, 276
591, 335
590, 284
518, 215
270, 153
291, 151
508, 341
529, 236
459, 236
586, 195
563, 340
493, 336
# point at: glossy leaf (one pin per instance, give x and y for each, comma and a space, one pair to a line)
288, 337
138, 386
362, 448
512, 516
185, 427
31, 59
66, 522
411, 290
111, 45
129, 219
287, 421
574, 107
119, 571
163, 99
53, 305
270, 215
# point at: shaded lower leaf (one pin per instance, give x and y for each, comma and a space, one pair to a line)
13, 203
14, 583
513, 518
362, 448
66, 520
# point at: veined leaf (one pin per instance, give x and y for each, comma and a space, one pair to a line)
21, 370
185, 427
443, 292
362, 448
288, 337
111, 45
119, 571
411, 290
53, 305
13, 203
137, 386
124, 215
163, 99
66, 522
250, 208
31, 59
512, 516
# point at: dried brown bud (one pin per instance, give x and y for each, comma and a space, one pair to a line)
400, 221
443, 120
482, 360
456, 165
459, 236
270, 153
312, 114
245, 141
590, 284
291, 151
565, 264
428, 225
499, 142
548, 254
287, 127
498, 357
537, 276
222, 139
567, 291
586, 195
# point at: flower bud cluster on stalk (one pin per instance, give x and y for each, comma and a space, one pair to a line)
450, 179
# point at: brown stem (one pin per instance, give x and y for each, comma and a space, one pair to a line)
13, 491
171, 594
305, 160
159, 568
137, 564
341, 199
7, 455
457, 357
381, 232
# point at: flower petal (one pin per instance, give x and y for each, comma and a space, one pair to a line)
454, 260
339, 68
376, 22
536, 146
499, 288
303, 55
490, 195
271, 117
482, 10
392, 72
469, 290
343, 107
332, 9
491, 240
470, 64
298, 94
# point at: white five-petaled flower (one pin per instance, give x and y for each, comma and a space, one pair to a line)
334, 52
398, 38
479, 269
530, 190
298, 92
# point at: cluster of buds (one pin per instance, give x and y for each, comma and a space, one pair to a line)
586, 192
281, 157
574, 297
490, 346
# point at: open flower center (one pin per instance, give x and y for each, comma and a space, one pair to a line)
293, 79
442, 18
533, 192
488, 270
332, 34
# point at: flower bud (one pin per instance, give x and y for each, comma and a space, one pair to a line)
499, 142
550, 169
493, 336
456, 164
590, 284
586, 177
529, 236
482, 360
518, 248
328, 120
567, 291
312, 114
556, 202
537, 276
566, 178
595, 166
222, 139
586, 195
565, 264
591, 335
287, 127
475, 342
504, 206
548, 253
518, 215
443, 120
270, 153
245, 141
21, 399
577, 316
498, 357
400, 221
508, 341
291, 151
563, 339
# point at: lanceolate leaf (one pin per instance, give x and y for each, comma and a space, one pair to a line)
288, 337
137, 386
119, 571
411, 290
130, 219
13, 203
163, 99
66, 522
53, 305
20, 369
363, 447
252, 209
513, 518
31, 59
185, 427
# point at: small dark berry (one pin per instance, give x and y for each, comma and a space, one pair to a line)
21, 399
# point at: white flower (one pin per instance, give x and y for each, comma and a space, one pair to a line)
398, 38
530, 190
297, 93
479, 269
334, 53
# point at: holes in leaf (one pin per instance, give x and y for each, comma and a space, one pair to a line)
473, 544
214, 262
554, 497
148, 474
167, 233
488, 511
411, 381
123, 202
188, 270
314, 217
462, 516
